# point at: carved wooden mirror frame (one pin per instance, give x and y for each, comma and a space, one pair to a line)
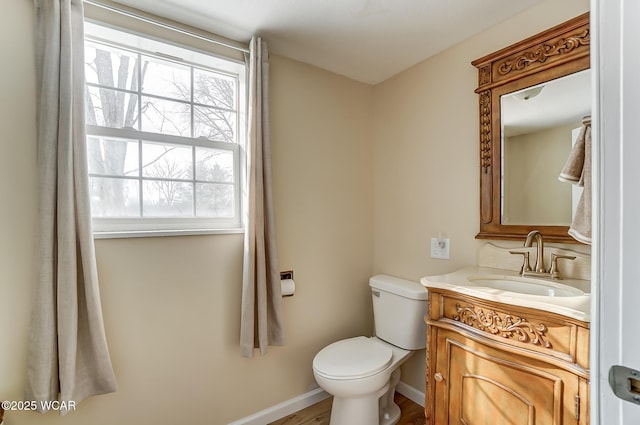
554, 53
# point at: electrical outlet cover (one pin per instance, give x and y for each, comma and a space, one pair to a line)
440, 248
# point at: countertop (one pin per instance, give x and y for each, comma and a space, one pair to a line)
574, 306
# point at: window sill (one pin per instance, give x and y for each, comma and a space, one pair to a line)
164, 233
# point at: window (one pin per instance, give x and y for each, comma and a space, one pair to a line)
164, 131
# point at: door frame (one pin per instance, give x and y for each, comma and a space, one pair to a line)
616, 200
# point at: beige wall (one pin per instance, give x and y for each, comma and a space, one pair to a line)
171, 305
363, 177
17, 191
532, 191
426, 167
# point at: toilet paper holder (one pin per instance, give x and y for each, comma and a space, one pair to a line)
286, 275
287, 284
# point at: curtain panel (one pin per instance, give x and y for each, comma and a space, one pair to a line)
68, 359
261, 321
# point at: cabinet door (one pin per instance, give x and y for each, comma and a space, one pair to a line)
480, 385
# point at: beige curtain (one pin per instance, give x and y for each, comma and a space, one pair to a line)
261, 323
68, 358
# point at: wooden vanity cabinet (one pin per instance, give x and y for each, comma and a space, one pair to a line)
490, 363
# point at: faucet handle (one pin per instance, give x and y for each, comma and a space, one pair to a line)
526, 266
555, 273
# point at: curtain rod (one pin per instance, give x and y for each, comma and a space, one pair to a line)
163, 25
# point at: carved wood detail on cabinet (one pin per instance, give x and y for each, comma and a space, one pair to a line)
505, 325
551, 335
489, 362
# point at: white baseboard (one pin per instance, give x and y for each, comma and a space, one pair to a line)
410, 393
310, 398
283, 409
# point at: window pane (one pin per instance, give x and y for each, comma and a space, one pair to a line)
110, 66
214, 165
154, 127
111, 108
166, 79
214, 89
114, 197
164, 198
166, 161
166, 117
115, 157
214, 124
214, 200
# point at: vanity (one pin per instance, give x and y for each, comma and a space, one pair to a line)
508, 343
507, 349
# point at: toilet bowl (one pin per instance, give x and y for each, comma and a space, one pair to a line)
357, 372
362, 372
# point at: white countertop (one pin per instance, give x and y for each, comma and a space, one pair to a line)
575, 306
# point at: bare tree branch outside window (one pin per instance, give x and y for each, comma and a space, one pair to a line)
138, 177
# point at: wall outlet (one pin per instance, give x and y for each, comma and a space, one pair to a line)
440, 248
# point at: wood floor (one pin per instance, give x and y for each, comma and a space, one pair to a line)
319, 414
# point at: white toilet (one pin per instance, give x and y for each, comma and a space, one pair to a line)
362, 373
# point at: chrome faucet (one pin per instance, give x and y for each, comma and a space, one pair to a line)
539, 268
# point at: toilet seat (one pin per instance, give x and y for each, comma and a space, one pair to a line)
352, 358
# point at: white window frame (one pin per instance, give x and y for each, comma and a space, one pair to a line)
164, 50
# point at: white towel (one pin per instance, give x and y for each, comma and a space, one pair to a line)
577, 170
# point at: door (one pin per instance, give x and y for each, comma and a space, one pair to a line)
480, 385
616, 248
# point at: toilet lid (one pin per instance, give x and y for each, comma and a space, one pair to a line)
352, 358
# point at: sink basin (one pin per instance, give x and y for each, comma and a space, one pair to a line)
523, 285
568, 297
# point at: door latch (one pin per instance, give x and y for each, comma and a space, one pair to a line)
625, 383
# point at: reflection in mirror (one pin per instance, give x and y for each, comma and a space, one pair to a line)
539, 124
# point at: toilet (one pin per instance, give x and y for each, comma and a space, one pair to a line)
362, 372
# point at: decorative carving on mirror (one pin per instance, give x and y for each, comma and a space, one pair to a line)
560, 51
543, 52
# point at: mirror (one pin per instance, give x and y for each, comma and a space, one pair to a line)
539, 126
533, 96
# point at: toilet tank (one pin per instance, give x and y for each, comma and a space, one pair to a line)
399, 307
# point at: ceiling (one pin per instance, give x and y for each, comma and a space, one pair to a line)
367, 40
561, 101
